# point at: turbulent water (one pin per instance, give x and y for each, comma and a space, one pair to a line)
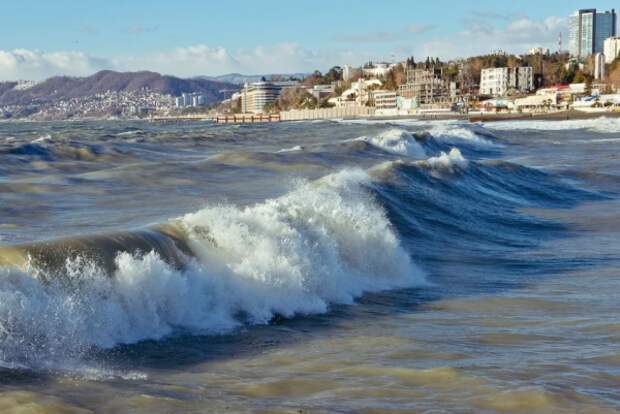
367, 267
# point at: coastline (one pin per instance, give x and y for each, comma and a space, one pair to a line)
550, 116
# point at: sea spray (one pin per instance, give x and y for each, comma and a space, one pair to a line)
325, 242
396, 141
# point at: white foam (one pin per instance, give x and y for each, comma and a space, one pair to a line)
457, 133
293, 149
450, 161
42, 138
395, 121
601, 125
397, 141
129, 133
323, 243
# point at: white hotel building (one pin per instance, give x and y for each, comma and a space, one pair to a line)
504, 81
255, 96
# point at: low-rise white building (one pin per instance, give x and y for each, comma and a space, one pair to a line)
322, 91
503, 81
384, 99
358, 94
611, 49
378, 70
538, 50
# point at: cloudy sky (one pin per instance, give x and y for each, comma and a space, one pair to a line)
43, 38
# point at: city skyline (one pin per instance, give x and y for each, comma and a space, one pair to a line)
192, 39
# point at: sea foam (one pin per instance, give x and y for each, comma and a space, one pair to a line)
448, 161
396, 141
600, 125
326, 242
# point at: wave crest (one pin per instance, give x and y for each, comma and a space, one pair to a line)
326, 242
397, 141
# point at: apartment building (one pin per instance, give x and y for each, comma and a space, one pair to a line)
505, 81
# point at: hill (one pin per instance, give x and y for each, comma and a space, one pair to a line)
239, 79
64, 87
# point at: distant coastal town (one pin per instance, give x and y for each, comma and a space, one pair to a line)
584, 79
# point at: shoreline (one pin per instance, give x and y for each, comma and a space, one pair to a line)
492, 117
551, 116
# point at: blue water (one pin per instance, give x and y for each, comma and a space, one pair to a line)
325, 267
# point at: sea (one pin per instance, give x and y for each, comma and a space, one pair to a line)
310, 267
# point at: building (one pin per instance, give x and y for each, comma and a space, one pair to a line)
426, 87
358, 94
378, 70
588, 30
505, 81
611, 49
538, 50
323, 91
384, 99
347, 72
599, 66
190, 100
257, 95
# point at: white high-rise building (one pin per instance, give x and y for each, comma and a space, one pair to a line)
611, 49
501, 81
347, 72
599, 66
588, 31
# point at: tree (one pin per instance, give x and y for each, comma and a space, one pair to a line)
580, 77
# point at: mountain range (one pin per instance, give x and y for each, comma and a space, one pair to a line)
239, 79
64, 87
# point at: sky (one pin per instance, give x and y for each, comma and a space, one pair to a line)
43, 38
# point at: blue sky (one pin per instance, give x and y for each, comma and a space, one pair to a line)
40, 38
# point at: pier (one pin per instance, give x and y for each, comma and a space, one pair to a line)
247, 118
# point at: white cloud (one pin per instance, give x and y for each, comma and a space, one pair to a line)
183, 61
516, 35
35, 64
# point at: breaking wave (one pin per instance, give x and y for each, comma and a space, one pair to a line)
459, 134
600, 125
396, 141
326, 242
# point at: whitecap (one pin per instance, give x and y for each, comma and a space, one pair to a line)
600, 125
448, 161
396, 141
326, 242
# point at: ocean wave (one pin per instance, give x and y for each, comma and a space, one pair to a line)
600, 125
42, 138
292, 149
131, 133
459, 134
449, 161
48, 150
394, 121
396, 141
326, 242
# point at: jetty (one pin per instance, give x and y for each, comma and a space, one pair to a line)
247, 118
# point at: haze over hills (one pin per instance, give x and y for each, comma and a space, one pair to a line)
240, 79
64, 87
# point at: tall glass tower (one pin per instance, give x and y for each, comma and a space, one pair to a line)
588, 31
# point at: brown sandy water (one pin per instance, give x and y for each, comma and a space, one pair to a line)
518, 312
